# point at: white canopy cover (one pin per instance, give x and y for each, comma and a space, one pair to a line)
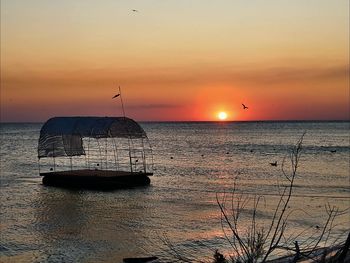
62, 136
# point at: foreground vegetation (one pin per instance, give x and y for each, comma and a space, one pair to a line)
258, 242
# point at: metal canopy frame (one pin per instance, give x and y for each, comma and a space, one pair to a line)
109, 150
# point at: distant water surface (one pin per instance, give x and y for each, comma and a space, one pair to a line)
194, 162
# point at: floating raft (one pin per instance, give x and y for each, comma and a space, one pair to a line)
117, 148
141, 260
96, 179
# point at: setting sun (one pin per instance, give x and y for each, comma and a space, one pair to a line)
222, 115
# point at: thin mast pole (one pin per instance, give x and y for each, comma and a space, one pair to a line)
53, 155
121, 100
129, 138
39, 164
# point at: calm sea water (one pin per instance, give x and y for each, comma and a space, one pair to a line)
48, 224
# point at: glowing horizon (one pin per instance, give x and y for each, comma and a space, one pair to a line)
175, 61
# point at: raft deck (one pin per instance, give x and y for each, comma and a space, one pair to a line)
96, 179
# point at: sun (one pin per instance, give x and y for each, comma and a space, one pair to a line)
222, 115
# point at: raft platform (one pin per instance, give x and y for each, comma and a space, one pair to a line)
96, 179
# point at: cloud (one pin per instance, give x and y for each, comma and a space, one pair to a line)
173, 76
153, 106
279, 75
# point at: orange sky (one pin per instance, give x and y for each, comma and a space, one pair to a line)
175, 60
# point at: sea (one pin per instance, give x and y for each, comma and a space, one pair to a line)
198, 166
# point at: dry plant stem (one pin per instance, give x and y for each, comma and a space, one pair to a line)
233, 228
332, 212
232, 243
281, 222
176, 254
254, 243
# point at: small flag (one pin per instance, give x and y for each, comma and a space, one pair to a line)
116, 96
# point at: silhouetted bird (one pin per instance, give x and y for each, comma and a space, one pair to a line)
227, 152
116, 96
333, 151
317, 227
171, 157
274, 164
202, 155
244, 107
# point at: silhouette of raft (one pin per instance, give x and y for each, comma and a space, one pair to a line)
94, 153
95, 179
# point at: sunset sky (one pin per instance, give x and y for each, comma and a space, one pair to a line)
175, 60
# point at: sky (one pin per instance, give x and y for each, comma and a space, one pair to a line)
183, 60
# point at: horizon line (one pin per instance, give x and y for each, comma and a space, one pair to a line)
204, 121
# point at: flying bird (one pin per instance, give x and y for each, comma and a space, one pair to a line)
274, 164
116, 96
244, 107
